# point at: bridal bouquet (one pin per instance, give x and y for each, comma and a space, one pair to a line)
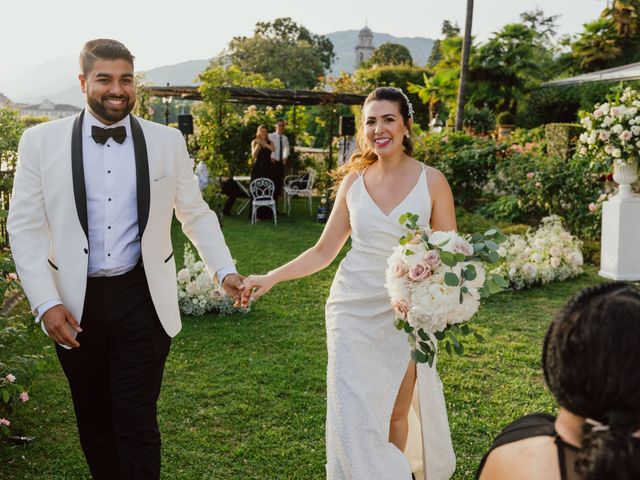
197, 293
435, 281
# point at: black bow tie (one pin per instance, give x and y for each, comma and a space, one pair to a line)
101, 135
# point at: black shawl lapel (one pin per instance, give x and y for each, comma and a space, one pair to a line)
77, 171
142, 174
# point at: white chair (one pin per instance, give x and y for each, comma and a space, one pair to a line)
262, 196
299, 186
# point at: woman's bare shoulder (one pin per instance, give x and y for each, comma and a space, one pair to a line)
532, 458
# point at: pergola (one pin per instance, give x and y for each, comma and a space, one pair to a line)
615, 74
266, 96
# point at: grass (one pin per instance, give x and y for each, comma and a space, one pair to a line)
244, 395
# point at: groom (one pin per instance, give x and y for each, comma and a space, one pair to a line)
90, 231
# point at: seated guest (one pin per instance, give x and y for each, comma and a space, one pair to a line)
231, 188
591, 359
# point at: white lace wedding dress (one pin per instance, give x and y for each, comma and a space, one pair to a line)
368, 358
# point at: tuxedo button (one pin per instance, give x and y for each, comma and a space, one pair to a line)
109, 199
86, 251
108, 171
109, 227
108, 254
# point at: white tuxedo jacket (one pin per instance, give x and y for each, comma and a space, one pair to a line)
47, 221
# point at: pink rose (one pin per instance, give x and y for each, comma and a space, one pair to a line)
24, 397
530, 175
400, 269
432, 257
4, 421
419, 272
10, 378
401, 308
592, 207
464, 247
13, 276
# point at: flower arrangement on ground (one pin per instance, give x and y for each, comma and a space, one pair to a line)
549, 254
197, 293
612, 131
435, 281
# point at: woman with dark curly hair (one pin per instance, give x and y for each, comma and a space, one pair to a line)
591, 360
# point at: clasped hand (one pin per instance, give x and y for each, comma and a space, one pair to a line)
253, 287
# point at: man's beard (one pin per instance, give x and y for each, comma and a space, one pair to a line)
101, 111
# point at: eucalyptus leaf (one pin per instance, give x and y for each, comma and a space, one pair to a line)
465, 329
407, 328
500, 281
448, 259
403, 218
440, 335
447, 347
493, 257
451, 279
423, 335
491, 232
418, 356
409, 252
491, 245
459, 349
478, 247
479, 337
469, 273
399, 323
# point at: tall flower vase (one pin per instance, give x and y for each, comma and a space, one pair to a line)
624, 174
620, 255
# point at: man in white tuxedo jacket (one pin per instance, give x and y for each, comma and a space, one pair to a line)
90, 231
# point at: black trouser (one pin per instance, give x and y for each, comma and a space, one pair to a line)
115, 377
278, 179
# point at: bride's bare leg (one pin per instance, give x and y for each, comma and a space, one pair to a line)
399, 426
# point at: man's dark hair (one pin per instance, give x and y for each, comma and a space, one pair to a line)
103, 49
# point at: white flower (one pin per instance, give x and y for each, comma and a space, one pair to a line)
184, 275
617, 128
584, 137
536, 257
616, 153
555, 262
635, 130
198, 266
192, 289
204, 281
529, 269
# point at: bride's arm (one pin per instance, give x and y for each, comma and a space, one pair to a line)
316, 258
443, 212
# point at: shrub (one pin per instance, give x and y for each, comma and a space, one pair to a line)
465, 160
562, 139
479, 121
505, 118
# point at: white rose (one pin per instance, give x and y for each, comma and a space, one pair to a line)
617, 128
584, 137
555, 251
536, 257
192, 289
555, 262
203, 281
616, 153
635, 130
184, 275
529, 270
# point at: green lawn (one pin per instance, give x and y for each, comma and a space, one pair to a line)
244, 395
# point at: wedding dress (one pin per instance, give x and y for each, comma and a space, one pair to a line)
368, 358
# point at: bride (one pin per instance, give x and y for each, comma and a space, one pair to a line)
386, 416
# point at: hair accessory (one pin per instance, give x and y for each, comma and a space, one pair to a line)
596, 426
406, 99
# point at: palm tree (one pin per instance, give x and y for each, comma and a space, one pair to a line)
597, 45
438, 89
464, 65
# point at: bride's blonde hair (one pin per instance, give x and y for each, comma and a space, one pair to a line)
364, 155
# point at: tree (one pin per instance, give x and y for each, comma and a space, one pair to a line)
389, 54
449, 31
438, 89
597, 45
284, 50
464, 65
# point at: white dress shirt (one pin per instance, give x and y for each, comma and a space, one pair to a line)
275, 139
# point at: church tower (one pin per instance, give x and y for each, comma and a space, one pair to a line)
364, 48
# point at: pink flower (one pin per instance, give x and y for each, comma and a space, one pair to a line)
530, 175
24, 397
592, 207
10, 378
432, 257
464, 247
419, 272
626, 136
401, 308
4, 421
604, 135
13, 276
400, 269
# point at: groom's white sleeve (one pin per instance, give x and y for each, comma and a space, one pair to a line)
29, 234
199, 223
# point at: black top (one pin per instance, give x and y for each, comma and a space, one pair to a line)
537, 425
261, 167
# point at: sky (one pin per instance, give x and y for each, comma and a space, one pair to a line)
159, 32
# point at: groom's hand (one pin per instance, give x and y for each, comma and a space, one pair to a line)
231, 284
59, 324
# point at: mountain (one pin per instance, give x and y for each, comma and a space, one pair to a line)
57, 79
344, 44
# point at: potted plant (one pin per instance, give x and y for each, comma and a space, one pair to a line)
505, 123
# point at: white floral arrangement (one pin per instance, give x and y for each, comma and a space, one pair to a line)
197, 292
435, 281
547, 255
612, 131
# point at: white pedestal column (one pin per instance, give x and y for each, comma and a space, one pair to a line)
620, 250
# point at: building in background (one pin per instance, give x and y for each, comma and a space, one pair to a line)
364, 48
48, 109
